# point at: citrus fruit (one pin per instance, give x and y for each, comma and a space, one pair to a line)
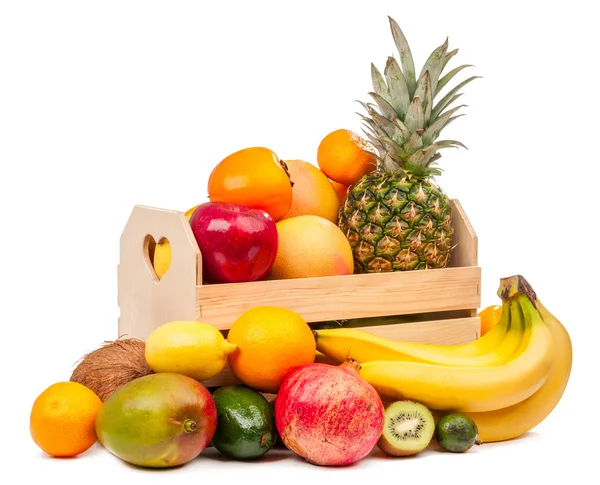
245, 423
489, 317
271, 340
162, 251
311, 246
312, 193
254, 177
341, 190
194, 349
342, 158
456, 433
62, 419
158, 421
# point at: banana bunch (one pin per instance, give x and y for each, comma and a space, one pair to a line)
507, 381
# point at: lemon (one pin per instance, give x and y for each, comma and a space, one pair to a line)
194, 349
162, 258
162, 252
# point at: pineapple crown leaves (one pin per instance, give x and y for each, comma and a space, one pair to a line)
404, 122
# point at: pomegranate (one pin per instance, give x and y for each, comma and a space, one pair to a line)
328, 414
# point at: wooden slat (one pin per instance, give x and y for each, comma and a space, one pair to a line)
465, 242
145, 303
445, 332
464, 238
351, 296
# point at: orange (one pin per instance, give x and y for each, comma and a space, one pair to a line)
342, 158
489, 317
312, 193
310, 246
253, 177
271, 340
341, 191
62, 419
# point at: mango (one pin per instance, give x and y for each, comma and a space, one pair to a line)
158, 421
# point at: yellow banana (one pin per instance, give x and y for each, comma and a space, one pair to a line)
481, 388
513, 421
495, 347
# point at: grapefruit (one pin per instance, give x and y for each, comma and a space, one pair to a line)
312, 193
311, 246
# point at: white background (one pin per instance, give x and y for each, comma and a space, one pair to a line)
104, 105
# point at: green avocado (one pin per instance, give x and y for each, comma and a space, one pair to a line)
245, 423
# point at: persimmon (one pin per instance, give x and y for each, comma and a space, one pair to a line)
254, 177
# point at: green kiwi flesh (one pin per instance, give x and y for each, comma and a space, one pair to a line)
408, 428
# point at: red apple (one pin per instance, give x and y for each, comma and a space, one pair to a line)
237, 243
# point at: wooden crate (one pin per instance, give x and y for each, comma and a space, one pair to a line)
437, 305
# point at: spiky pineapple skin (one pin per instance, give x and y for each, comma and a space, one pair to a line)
395, 223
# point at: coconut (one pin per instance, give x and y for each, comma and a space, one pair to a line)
111, 366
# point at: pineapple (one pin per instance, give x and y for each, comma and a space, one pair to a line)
397, 218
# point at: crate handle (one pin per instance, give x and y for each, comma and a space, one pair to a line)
146, 302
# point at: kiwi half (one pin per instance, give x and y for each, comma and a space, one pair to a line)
408, 428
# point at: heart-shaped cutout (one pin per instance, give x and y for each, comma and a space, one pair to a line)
157, 256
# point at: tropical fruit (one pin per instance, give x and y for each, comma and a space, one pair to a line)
254, 177
62, 419
312, 193
513, 421
495, 348
114, 363
408, 429
271, 340
481, 388
310, 246
327, 414
246, 423
343, 156
397, 218
158, 421
195, 349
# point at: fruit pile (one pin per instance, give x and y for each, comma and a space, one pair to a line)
263, 212
507, 381
370, 206
328, 395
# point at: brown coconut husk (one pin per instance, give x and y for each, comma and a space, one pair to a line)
111, 366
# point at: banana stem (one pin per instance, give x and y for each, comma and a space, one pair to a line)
513, 286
